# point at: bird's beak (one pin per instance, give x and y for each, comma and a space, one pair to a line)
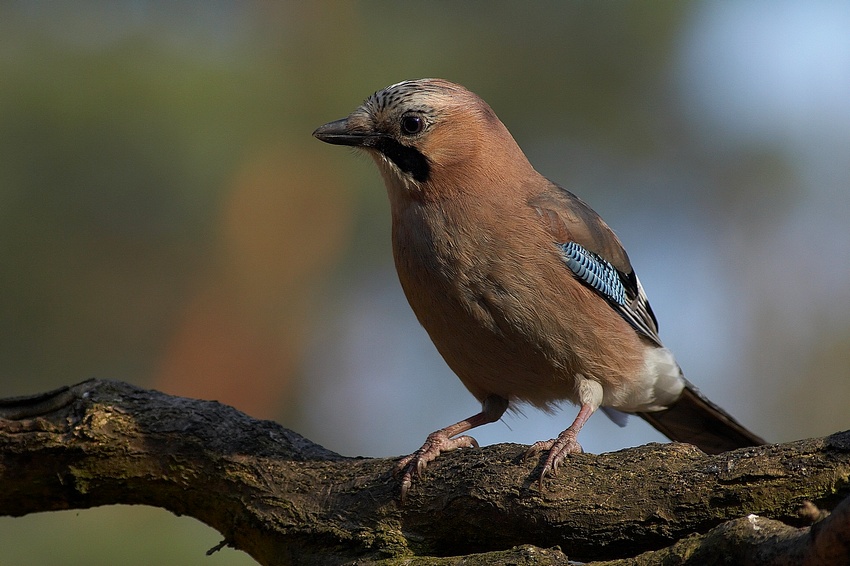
340, 132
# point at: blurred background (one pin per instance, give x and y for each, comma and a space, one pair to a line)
166, 218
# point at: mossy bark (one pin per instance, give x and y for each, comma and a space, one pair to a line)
285, 500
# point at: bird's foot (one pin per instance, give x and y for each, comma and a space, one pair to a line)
558, 448
438, 442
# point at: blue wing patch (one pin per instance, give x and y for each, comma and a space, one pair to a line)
594, 271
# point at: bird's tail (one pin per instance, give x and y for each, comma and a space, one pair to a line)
696, 420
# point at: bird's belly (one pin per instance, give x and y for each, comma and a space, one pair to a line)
505, 319
489, 362
495, 344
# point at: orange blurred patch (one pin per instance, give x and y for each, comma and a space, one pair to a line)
240, 338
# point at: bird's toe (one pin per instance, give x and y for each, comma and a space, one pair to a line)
414, 465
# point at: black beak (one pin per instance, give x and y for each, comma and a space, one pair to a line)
337, 133
408, 159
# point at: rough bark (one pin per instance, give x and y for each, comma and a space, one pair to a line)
285, 500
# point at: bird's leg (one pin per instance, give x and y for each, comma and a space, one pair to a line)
445, 440
558, 448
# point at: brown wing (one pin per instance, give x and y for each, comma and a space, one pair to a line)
570, 219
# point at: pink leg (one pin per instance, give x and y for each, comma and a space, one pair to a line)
558, 448
445, 440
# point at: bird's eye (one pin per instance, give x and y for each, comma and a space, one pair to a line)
412, 125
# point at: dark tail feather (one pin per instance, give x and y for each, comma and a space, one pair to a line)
696, 420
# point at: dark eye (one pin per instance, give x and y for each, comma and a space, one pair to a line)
411, 125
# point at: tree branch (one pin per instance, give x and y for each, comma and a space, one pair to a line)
285, 500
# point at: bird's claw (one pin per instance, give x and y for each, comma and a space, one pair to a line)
558, 449
412, 466
537, 448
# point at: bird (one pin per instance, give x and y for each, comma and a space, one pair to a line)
525, 291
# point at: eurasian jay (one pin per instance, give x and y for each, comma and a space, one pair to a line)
525, 291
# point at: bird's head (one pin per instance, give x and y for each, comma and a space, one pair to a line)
427, 135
